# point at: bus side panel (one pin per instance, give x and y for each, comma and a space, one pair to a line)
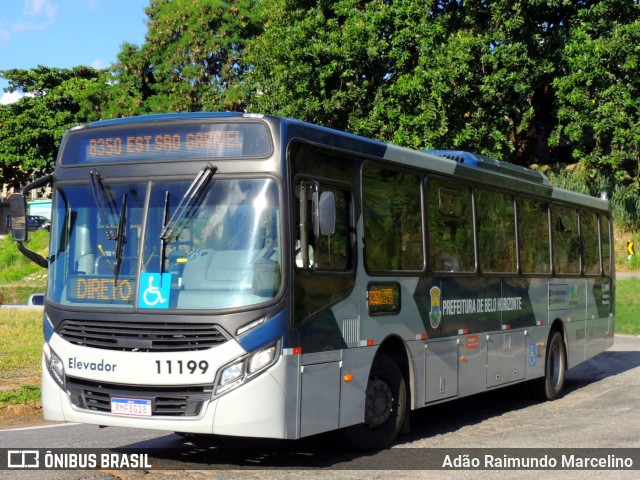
523, 303
607, 306
537, 336
539, 298
598, 308
319, 398
469, 304
441, 370
356, 362
472, 365
567, 303
505, 358
535, 351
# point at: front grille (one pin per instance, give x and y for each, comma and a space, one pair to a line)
165, 401
141, 337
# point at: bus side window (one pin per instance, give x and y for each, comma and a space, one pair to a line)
325, 252
605, 242
566, 240
533, 236
590, 243
496, 231
450, 220
392, 220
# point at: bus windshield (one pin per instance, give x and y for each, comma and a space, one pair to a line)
166, 245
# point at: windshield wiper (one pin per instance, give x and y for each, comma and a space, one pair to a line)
188, 205
163, 241
107, 209
121, 239
106, 206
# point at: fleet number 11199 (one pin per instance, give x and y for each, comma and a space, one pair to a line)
179, 367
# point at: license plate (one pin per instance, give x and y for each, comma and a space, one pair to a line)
131, 406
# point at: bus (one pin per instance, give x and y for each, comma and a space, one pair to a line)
256, 276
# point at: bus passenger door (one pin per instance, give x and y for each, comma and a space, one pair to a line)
323, 267
324, 276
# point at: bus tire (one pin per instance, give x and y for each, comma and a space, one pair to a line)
550, 386
385, 408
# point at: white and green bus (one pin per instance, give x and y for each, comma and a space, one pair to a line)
249, 275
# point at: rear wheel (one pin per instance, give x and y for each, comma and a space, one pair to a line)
550, 386
385, 407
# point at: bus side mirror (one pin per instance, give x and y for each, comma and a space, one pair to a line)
18, 212
324, 208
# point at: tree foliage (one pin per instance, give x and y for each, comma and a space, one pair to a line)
54, 100
546, 82
447, 74
598, 94
598, 103
191, 60
323, 62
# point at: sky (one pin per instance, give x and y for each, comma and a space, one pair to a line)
66, 33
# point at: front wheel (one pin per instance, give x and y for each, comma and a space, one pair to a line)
550, 386
385, 407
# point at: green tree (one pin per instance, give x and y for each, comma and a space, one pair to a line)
192, 58
598, 98
54, 100
322, 62
441, 73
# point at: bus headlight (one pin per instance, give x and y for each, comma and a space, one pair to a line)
55, 366
260, 360
230, 376
239, 372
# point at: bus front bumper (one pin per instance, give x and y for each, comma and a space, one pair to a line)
256, 409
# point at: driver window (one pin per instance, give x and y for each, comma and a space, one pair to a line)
325, 252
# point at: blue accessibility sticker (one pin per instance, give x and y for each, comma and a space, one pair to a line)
532, 354
154, 290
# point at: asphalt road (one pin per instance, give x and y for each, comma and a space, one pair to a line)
600, 410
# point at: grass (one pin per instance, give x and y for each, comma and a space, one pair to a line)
14, 266
19, 277
20, 353
628, 306
20, 329
26, 393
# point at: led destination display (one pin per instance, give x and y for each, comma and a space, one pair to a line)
171, 141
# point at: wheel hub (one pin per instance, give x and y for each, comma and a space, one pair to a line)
379, 403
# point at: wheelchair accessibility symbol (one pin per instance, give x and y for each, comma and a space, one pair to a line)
533, 353
154, 293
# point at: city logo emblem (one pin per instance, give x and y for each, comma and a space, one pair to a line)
435, 315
